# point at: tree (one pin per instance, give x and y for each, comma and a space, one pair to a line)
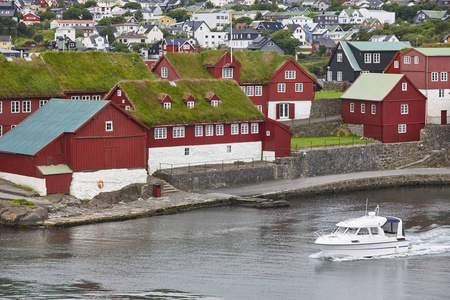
132, 5
113, 20
138, 14
120, 47
259, 16
109, 33
209, 5
47, 15
22, 29
72, 14
86, 15
285, 40
38, 38
89, 3
245, 20
178, 14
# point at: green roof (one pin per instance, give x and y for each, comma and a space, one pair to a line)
189, 65
372, 86
380, 46
93, 71
434, 14
145, 96
47, 123
21, 78
434, 51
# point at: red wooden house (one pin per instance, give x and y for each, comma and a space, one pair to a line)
428, 69
389, 106
30, 19
180, 45
76, 147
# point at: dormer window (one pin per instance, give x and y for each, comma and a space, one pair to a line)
165, 101
214, 103
227, 72
190, 101
213, 99
167, 105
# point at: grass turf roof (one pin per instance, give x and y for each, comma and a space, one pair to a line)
21, 78
189, 65
91, 71
144, 94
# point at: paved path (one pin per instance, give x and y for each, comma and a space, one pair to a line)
294, 184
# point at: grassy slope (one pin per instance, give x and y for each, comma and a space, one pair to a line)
144, 95
326, 141
20, 78
92, 71
189, 65
328, 94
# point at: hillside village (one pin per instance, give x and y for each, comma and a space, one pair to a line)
180, 101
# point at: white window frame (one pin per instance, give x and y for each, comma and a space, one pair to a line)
258, 90
15, 107
219, 129
407, 60
373, 109
209, 130
1, 106
443, 76
250, 90
339, 57
441, 93
401, 128
127, 107
434, 76
214, 103
227, 72
96, 97
404, 86
404, 109
259, 107
352, 107
339, 76
75, 97
108, 125
41, 103
119, 92
363, 108
167, 105
164, 72
160, 133
178, 132
396, 64
1, 130
243, 89
186, 151
281, 87
299, 87
367, 58
284, 110
376, 58
26, 106
190, 104
86, 97
254, 128
234, 129
329, 75
290, 74
244, 128
416, 60
198, 130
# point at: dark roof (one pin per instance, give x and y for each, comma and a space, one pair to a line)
273, 26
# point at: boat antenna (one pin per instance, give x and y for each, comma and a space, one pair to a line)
377, 210
367, 203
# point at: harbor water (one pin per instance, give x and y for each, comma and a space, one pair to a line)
234, 253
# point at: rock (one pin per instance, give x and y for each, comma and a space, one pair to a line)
55, 198
11, 214
268, 203
104, 200
130, 193
35, 216
147, 191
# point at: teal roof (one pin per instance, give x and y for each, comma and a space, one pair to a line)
434, 14
380, 46
372, 86
47, 123
434, 51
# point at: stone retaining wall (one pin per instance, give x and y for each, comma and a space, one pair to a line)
339, 86
325, 107
437, 136
314, 129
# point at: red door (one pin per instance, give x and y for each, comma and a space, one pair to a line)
443, 117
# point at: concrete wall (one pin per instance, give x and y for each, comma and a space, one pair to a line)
314, 129
37, 184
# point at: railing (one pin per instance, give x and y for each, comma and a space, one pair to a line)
331, 143
296, 122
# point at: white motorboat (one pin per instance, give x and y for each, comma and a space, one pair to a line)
368, 236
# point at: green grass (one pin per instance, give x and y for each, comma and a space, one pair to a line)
144, 94
189, 65
328, 94
326, 141
93, 71
22, 202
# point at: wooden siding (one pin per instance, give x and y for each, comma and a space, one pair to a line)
18, 164
164, 63
121, 101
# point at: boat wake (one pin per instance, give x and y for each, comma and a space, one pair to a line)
433, 242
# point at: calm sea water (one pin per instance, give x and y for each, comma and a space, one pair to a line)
233, 253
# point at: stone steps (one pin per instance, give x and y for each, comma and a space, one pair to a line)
168, 188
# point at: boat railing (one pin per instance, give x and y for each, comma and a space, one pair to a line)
319, 233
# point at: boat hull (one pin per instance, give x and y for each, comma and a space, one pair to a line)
364, 249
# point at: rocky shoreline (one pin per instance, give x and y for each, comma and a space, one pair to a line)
23, 208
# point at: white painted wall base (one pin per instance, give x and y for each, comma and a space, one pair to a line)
36, 184
168, 157
85, 184
269, 155
302, 109
436, 104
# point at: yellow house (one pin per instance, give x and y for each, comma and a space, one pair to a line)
5, 42
164, 20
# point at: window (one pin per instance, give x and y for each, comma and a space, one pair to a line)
352, 107
259, 107
407, 60
416, 60
178, 132
367, 58
75, 97
441, 93
404, 86
127, 107
250, 91
219, 129
167, 105
255, 128
339, 75
108, 125
13, 126
199, 130
96, 98
374, 109
443, 76
299, 87
26, 106
284, 110
396, 64
160, 133
434, 76
329, 75
1, 130
15, 106
363, 108
209, 130
214, 103
376, 58
244, 128
281, 87
258, 90
234, 129
289, 74
243, 88
401, 128
404, 109
186, 151
164, 72
227, 72
1, 107
339, 57
228, 148
119, 92
190, 104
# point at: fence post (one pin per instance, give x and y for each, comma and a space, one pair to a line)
171, 168
189, 167
325, 143
222, 165
205, 166
339, 143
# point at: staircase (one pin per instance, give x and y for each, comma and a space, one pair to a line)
168, 188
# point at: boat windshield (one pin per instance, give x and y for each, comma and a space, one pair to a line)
363, 231
339, 230
391, 226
